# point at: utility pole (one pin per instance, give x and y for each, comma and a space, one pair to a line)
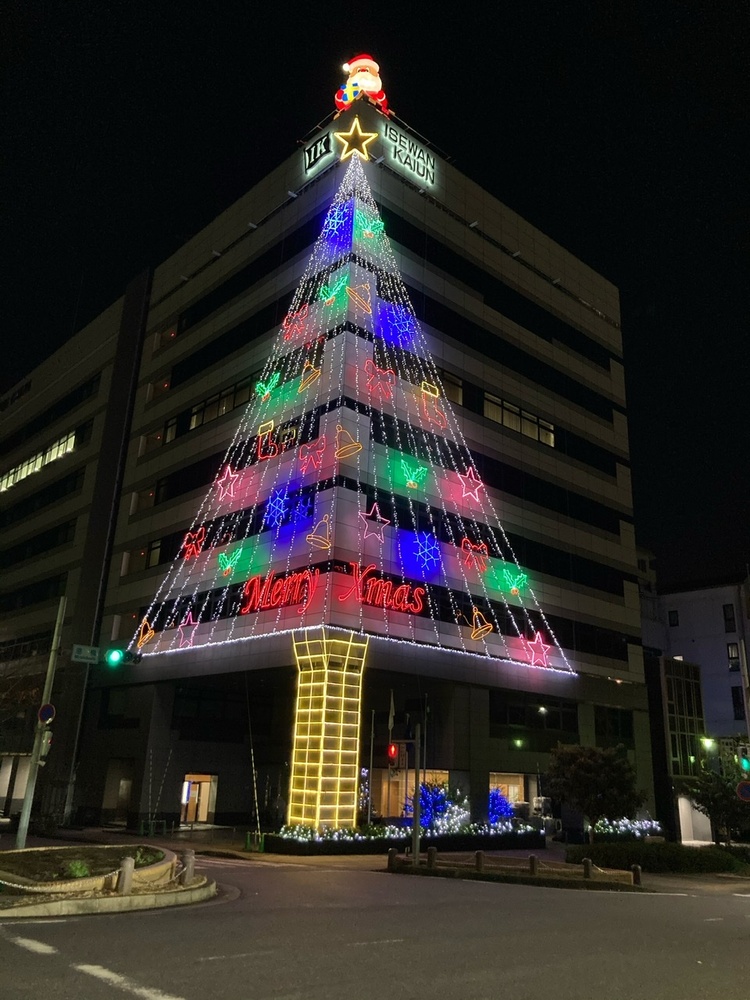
41, 729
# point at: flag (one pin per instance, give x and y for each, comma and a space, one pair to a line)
391, 716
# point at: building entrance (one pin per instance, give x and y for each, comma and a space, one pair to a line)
199, 798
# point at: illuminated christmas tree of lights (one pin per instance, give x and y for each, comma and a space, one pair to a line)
348, 496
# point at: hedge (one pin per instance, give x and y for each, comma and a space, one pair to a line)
656, 857
533, 840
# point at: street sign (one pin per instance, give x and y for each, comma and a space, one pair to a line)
743, 791
46, 714
403, 761
85, 654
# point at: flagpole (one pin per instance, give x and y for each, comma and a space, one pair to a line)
369, 773
391, 717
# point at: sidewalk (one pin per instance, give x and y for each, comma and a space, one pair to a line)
230, 842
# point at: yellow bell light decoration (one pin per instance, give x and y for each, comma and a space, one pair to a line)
346, 446
360, 296
479, 624
309, 375
324, 781
146, 634
320, 536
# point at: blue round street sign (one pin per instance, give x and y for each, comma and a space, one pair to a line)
47, 713
743, 791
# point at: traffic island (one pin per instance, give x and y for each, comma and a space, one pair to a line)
519, 871
33, 882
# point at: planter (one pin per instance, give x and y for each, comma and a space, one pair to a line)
533, 840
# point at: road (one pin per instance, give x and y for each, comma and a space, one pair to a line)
289, 931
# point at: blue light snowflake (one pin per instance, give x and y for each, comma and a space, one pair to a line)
337, 220
276, 509
396, 324
427, 550
304, 509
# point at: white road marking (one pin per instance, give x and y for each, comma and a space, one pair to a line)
362, 944
741, 893
712, 920
123, 983
38, 947
241, 954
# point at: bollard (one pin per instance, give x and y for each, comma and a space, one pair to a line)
533, 864
187, 875
392, 855
587, 866
636, 870
125, 878
432, 857
479, 861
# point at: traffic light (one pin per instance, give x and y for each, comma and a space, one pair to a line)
743, 757
392, 755
118, 656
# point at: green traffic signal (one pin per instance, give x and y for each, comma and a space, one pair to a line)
117, 656
114, 657
743, 756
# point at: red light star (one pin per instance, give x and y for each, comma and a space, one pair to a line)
227, 483
375, 523
538, 650
471, 483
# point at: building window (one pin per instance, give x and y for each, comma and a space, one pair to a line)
738, 703
34, 463
453, 387
153, 556
516, 419
729, 623
673, 617
733, 655
210, 409
613, 726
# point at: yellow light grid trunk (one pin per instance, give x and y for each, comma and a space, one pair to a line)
325, 754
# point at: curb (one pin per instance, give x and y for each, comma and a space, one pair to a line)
112, 904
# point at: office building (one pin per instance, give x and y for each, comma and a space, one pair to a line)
377, 475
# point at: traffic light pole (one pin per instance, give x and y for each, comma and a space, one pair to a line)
745, 684
41, 729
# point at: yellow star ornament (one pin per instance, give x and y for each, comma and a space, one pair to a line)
355, 141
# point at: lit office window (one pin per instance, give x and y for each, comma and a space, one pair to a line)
51, 453
515, 419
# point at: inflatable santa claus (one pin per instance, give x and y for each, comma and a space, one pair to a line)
363, 80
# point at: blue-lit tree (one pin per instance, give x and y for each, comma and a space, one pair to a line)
500, 808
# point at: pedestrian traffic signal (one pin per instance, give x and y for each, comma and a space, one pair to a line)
392, 755
743, 757
117, 656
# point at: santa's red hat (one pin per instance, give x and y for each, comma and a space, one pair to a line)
361, 59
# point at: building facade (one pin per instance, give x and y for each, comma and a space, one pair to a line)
460, 551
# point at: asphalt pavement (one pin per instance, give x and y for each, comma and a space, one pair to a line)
329, 929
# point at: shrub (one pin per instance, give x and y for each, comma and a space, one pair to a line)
77, 869
147, 856
656, 857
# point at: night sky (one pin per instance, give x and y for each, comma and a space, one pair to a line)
616, 128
